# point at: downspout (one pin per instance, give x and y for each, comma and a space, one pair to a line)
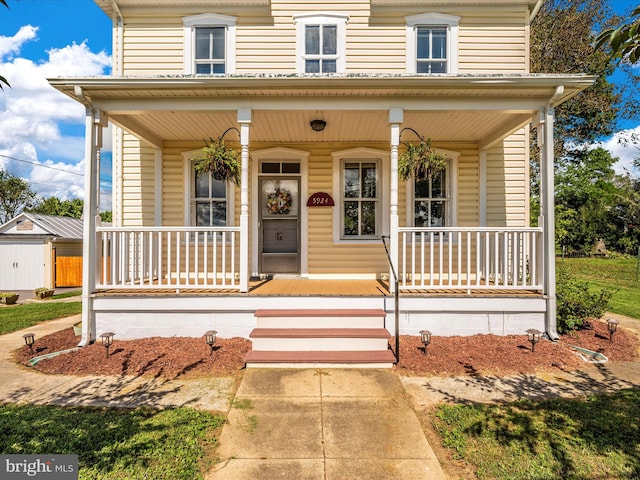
90, 218
547, 220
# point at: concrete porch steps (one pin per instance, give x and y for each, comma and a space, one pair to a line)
313, 338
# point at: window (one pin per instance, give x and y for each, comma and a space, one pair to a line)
210, 57
209, 44
432, 43
431, 202
360, 199
209, 201
320, 42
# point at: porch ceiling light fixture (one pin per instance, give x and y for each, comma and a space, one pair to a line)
29, 340
317, 125
534, 337
612, 325
210, 338
107, 340
425, 337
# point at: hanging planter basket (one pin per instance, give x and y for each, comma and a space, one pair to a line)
419, 161
221, 160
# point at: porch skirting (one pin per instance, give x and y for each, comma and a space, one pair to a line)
133, 314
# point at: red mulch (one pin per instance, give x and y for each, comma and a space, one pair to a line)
446, 356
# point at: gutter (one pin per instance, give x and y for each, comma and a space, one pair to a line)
535, 10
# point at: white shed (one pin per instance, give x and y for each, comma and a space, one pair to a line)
33, 249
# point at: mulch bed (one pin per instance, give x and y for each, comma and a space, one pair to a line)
446, 356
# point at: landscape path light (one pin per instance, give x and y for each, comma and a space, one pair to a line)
612, 325
425, 337
107, 340
29, 340
534, 337
210, 337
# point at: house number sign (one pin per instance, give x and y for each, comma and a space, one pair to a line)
320, 199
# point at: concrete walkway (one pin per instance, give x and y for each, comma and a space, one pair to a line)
323, 424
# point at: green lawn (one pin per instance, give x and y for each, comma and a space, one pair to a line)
616, 274
582, 439
17, 317
170, 444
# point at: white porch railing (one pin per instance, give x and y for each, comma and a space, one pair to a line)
168, 257
470, 258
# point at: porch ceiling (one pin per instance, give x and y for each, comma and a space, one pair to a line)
478, 109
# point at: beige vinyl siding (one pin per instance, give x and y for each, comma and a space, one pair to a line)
507, 180
138, 190
492, 39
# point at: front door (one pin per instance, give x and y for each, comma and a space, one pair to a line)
279, 247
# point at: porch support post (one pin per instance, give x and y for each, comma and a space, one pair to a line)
396, 116
547, 215
244, 119
93, 140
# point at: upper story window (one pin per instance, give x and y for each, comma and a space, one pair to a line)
320, 46
432, 43
209, 44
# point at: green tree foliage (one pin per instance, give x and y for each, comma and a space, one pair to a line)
577, 303
624, 41
61, 208
15, 196
2, 79
106, 216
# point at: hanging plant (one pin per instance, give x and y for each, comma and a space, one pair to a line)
222, 161
419, 160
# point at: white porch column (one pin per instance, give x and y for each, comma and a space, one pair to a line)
93, 141
547, 215
396, 116
244, 119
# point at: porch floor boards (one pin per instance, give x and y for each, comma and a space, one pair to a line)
288, 287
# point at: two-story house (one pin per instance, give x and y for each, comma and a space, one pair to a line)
320, 98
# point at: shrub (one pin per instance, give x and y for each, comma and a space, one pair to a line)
577, 303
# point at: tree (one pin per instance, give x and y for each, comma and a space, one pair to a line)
61, 208
15, 196
624, 41
2, 79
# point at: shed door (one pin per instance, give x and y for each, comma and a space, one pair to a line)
22, 266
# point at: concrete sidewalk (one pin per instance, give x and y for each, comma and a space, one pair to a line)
325, 425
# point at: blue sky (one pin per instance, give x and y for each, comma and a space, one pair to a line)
42, 131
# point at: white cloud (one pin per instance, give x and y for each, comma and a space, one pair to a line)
37, 121
620, 147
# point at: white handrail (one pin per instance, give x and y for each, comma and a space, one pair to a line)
470, 258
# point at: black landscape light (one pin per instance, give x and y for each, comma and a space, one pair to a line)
613, 326
210, 337
534, 337
107, 340
29, 340
425, 337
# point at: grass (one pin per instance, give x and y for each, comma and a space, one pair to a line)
17, 317
576, 439
617, 274
170, 444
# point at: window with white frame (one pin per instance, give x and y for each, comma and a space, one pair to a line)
431, 201
432, 43
208, 200
320, 42
209, 44
360, 198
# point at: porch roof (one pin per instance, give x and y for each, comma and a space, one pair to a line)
468, 108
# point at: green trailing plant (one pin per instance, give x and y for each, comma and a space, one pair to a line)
419, 160
221, 160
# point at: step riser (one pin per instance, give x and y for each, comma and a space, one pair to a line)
318, 365
320, 344
320, 322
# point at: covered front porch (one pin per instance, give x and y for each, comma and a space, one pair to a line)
477, 268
